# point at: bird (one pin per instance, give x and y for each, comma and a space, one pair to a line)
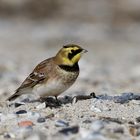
54, 75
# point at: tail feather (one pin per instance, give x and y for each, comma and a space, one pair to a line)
13, 97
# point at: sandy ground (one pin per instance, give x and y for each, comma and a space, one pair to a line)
110, 68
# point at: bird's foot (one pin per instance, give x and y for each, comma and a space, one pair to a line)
50, 102
58, 101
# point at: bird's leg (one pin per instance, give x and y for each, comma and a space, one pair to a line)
57, 101
56, 98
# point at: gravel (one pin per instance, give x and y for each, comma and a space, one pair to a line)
110, 70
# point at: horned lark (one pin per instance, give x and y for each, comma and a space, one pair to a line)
54, 75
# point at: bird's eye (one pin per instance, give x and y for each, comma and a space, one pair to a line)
72, 51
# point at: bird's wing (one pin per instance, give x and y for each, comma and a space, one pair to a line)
38, 75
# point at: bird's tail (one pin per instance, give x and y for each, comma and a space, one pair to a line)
13, 97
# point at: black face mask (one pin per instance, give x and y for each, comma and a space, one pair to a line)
73, 53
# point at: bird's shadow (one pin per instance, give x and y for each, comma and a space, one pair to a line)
56, 103
53, 103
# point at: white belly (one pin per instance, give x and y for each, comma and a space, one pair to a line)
54, 88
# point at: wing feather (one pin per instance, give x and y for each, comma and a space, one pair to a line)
38, 75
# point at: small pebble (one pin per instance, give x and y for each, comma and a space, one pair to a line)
41, 120
133, 130
50, 116
83, 97
18, 104
61, 123
138, 119
25, 123
33, 115
138, 132
70, 130
131, 122
118, 130
106, 108
9, 135
41, 106
26, 100
87, 121
126, 97
74, 100
116, 120
96, 126
67, 99
95, 109
21, 112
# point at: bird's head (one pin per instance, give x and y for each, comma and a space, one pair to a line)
69, 54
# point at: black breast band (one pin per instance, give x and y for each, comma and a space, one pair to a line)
73, 68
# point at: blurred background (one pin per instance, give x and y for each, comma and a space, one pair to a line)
33, 30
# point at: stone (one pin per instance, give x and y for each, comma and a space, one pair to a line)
33, 115
25, 123
95, 109
61, 123
96, 126
41, 106
21, 112
41, 120
70, 130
